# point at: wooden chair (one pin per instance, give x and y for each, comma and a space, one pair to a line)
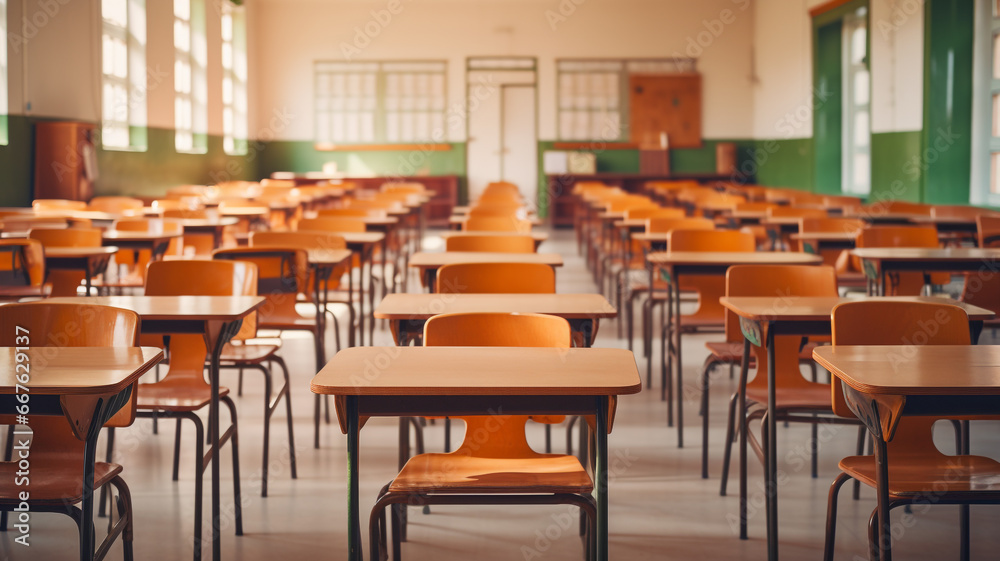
66, 282
184, 390
333, 224
899, 207
494, 464
115, 205
57, 455
283, 273
982, 288
496, 224
798, 399
22, 264
918, 471
496, 278
135, 262
710, 316
498, 244
495, 210
840, 259
349, 212
48, 205
903, 284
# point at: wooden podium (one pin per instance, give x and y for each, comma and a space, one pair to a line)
65, 160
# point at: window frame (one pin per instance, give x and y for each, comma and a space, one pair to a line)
196, 97
851, 22
986, 115
235, 136
132, 34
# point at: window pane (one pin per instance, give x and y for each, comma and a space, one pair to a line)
115, 12
995, 173
862, 163
182, 9
861, 133
182, 36
227, 27
996, 115
858, 45
861, 87
996, 56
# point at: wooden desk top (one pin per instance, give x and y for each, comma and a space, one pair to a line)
127, 236
79, 370
537, 236
631, 223
915, 369
434, 371
360, 237
747, 214
329, 256
781, 220
922, 254
426, 259
245, 211
423, 306
826, 236
732, 258
819, 308
533, 220
199, 308
207, 223
77, 252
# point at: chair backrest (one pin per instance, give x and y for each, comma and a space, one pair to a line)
493, 243
202, 277
304, 239
756, 206
658, 225
186, 213
504, 434
629, 202
496, 278
371, 204
831, 224
152, 225
654, 212
68, 237
988, 229
899, 323
115, 204
332, 224
710, 240
496, 224
282, 273
58, 204
898, 236
22, 262
69, 325
502, 210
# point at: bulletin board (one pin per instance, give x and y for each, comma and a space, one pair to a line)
665, 103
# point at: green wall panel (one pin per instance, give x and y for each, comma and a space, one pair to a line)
947, 140
828, 115
896, 170
16, 162
779, 162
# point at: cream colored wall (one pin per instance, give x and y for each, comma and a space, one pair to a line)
783, 64
287, 36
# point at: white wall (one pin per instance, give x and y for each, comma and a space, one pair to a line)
287, 36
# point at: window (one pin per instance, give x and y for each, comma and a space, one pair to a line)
234, 78
986, 105
592, 96
358, 102
123, 74
190, 87
857, 105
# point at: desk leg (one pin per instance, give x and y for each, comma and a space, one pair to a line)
361, 298
647, 328
740, 413
882, 493
771, 454
350, 303
371, 294
601, 477
354, 552
385, 253
679, 394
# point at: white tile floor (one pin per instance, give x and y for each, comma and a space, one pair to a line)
660, 507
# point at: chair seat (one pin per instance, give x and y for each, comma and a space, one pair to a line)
852, 279
811, 397
931, 473
175, 395
288, 322
248, 353
461, 474
51, 483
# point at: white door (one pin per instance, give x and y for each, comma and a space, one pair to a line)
502, 134
519, 151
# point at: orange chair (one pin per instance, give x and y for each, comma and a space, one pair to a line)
495, 210
902, 284
57, 455
492, 243
184, 390
49, 205
777, 233
843, 204
136, 261
350, 212
496, 278
66, 282
116, 205
982, 288
496, 224
333, 224
917, 469
847, 275
710, 315
22, 264
898, 207
798, 399
500, 468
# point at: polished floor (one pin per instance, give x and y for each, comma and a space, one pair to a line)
660, 506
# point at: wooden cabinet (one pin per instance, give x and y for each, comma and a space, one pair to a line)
65, 160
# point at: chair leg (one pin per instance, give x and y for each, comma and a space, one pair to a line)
862, 434
288, 414
873, 545
569, 435
548, 439
234, 443
831, 516
965, 531
199, 476
731, 427
316, 407
267, 427
102, 501
447, 435
125, 511
706, 370
815, 450
177, 448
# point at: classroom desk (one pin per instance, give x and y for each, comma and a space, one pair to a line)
428, 381
877, 262
323, 262
87, 385
428, 263
208, 226
939, 380
10, 293
363, 243
538, 237
156, 243
761, 320
407, 313
91, 260
218, 319
680, 263
457, 222
815, 242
